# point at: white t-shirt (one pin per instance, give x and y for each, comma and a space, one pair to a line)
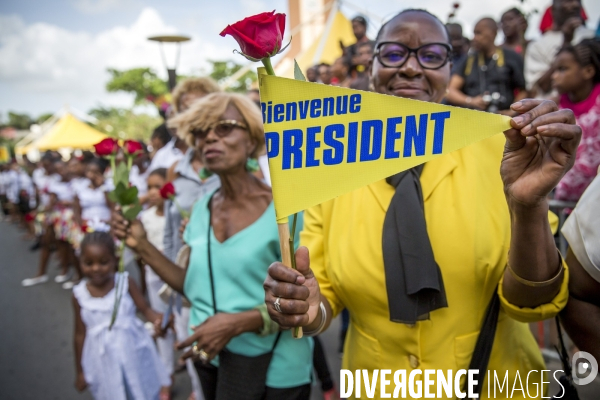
62, 190
17, 181
79, 183
540, 54
582, 230
93, 204
12, 186
44, 182
4, 181
37, 175
165, 157
155, 227
139, 180
155, 230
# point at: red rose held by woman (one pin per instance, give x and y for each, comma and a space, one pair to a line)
107, 147
259, 36
132, 147
167, 191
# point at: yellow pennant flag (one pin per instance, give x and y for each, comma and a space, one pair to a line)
324, 141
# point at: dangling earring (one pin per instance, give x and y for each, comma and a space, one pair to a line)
252, 165
205, 173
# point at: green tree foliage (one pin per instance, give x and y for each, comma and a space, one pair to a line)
222, 70
124, 124
19, 121
43, 118
142, 82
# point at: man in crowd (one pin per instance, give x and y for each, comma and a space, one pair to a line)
460, 44
359, 28
324, 74
568, 29
312, 74
514, 25
488, 78
360, 63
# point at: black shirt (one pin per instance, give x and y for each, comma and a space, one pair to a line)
502, 74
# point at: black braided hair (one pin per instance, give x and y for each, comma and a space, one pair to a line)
586, 52
98, 237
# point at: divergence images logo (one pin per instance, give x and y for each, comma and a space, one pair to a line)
585, 368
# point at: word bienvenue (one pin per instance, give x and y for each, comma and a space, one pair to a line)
350, 142
420, 384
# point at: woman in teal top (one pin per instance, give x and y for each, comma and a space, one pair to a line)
233, 238
238, 263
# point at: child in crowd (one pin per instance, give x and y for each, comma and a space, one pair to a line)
577, 80
61, 195
153, 219
92, 205
57, 222
77, 169
118, 363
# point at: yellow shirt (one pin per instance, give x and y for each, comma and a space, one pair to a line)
469, 228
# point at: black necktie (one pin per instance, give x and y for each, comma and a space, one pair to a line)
413, 279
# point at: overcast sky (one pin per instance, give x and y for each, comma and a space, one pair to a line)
55, 52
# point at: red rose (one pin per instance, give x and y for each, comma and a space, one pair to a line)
132, 147
259, 36
167, 191
107, 147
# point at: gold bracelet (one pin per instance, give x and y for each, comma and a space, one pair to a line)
538, 284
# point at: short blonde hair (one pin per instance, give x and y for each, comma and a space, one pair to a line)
205, 112
202, 85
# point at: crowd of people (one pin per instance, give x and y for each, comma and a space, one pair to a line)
210, 282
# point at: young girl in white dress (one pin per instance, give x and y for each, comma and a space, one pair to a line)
120, 363
153, 219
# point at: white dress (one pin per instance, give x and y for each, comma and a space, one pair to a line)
121, 363
94, 208
155, 227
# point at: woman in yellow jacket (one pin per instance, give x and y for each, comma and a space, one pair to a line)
418, 291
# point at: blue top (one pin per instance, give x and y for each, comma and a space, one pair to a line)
240, 266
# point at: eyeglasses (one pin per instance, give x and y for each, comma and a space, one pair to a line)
429, 56
220, 128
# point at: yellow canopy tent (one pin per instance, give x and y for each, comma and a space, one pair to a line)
68, 132
326, 47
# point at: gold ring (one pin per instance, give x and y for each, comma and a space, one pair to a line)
203, 355
195, 350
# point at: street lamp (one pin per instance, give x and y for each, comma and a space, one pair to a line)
177, 40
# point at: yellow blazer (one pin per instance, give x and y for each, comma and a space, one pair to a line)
469, 228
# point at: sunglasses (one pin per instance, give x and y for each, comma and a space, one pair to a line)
220, 128
429, 56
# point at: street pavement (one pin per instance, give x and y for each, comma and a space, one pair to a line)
36, 333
